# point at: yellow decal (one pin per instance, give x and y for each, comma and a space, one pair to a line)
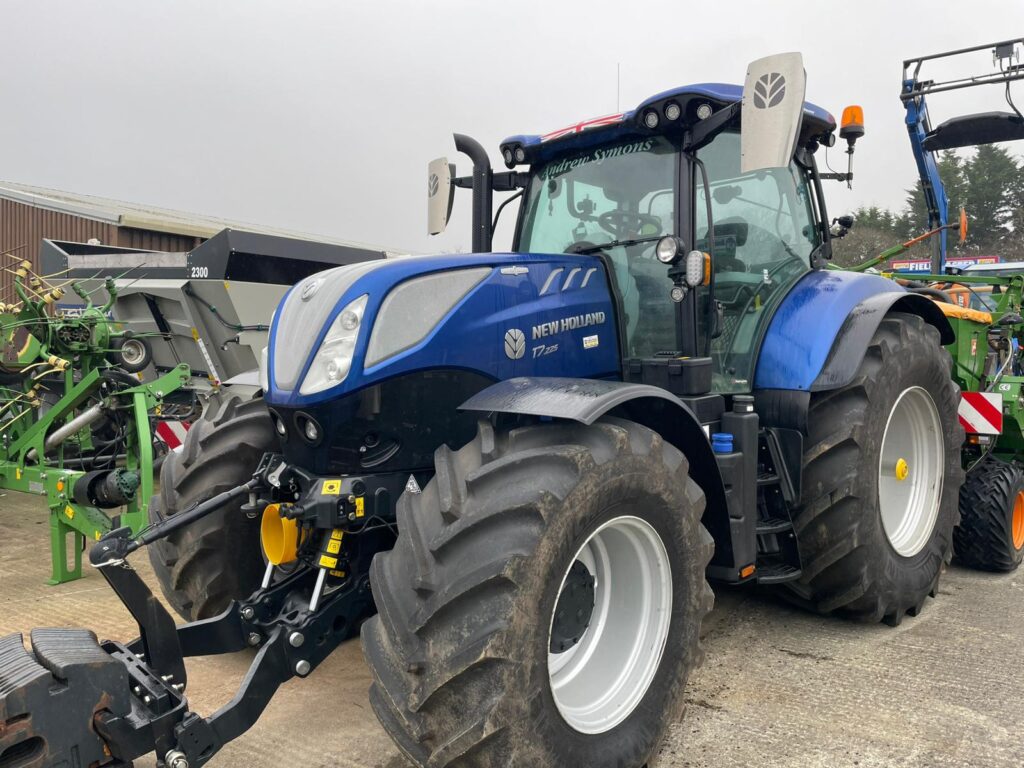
17, 473
97, 535
336, 534
328, 562
69, 512
360, 506
338, 574
331, 488
333, 547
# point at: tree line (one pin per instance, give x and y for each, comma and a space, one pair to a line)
989, 184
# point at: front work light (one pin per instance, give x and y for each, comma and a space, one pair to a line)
651, 119
667, 250
672, 111
520, 155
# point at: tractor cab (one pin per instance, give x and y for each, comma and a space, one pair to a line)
673, 188
619, 201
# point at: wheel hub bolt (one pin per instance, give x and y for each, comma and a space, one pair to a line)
248, 613
302, 668
254, 638
296, 639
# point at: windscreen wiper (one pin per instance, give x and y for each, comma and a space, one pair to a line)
615, 244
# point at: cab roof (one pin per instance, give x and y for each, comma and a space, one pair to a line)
817, 122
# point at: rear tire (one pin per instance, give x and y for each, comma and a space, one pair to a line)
216, 559
465, 646
990, 536
857, 559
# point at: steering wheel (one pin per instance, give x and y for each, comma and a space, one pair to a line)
619, 223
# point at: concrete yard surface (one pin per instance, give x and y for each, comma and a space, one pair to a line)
779, 687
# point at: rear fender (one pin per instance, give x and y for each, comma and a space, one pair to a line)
822, 329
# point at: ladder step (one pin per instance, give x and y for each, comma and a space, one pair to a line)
777, 573
773, 525
767, 480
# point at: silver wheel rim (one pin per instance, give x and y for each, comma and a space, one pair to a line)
597, 683
910, 471
132, 352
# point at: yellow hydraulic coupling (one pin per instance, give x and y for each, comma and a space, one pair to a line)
279, 536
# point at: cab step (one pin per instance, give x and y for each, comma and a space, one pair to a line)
777, 573
773, 526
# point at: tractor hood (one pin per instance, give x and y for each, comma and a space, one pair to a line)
497, 314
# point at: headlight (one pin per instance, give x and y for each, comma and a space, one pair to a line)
265, 370
333, 359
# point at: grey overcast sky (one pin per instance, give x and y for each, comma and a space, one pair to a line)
321, 116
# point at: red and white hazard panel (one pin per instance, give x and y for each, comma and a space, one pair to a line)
981, 413
172, 433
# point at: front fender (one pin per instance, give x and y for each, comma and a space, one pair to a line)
822, 329
587, 400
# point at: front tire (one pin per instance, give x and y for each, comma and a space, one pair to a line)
204, 566
881, 477
494, 644
990, 536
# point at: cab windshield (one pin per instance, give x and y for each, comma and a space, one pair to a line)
621, 197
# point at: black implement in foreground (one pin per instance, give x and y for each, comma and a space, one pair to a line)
73, 701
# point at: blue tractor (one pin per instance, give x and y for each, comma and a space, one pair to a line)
516, 472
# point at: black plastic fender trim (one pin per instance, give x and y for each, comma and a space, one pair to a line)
855, 334
582, 400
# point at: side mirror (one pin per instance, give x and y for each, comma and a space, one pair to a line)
772, 111
841, 226
440, 195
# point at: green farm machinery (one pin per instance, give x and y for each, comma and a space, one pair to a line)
74, 420
983, 306
985, 312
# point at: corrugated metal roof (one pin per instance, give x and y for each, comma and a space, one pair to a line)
136, 216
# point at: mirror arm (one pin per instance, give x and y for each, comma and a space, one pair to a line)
506, 181
509, 181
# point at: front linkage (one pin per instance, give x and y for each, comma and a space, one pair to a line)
79, 702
